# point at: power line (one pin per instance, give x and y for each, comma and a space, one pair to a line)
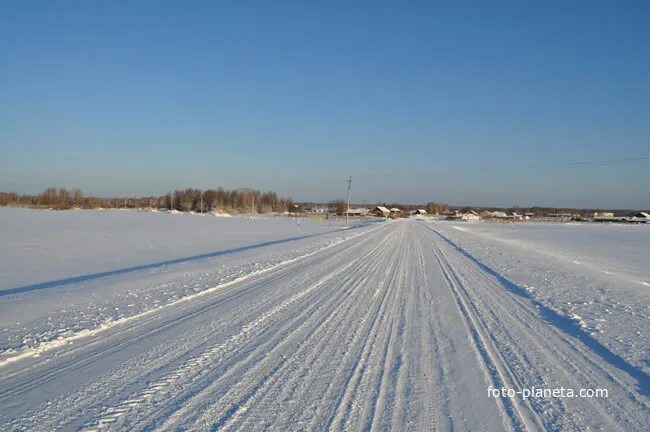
610, 162
578, 164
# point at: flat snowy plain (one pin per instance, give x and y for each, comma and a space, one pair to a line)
138, 321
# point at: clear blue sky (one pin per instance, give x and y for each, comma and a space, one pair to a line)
485, 103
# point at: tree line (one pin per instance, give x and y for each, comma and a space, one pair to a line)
211, 200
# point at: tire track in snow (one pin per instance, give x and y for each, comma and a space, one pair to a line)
248, 331
86, 333
310, 360
541, 355
357, 380
63, 367
287, 360
493, 365
142, 330
373, 264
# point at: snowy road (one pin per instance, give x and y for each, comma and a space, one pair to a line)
395, 329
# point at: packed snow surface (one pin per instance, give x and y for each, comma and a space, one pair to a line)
393, 326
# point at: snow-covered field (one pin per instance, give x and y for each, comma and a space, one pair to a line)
43, 246
263, 324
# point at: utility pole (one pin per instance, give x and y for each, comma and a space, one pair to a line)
201, 202
347, 213
252, 204
171, 201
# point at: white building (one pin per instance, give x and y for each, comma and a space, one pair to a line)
356, 212
471, 216
640, 217
381, 211
493, 214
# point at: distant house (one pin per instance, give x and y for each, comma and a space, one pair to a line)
420, 212
640, 217
607, 217
470, 216
380, 211
356, 212
453, 215
314, 209
395, 210
501, 216
493, 214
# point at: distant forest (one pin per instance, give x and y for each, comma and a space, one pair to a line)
236, 201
